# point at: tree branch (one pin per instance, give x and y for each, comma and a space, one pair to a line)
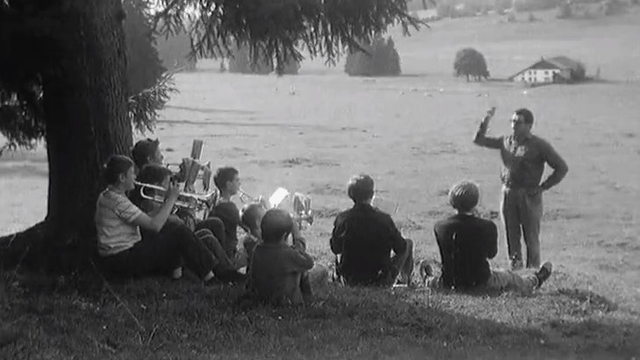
281, 28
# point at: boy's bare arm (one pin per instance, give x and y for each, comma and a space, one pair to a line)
300, 258
156, 222
299, 243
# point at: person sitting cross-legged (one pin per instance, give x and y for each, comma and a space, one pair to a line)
281, 274
466, 242
161, 247
364, 237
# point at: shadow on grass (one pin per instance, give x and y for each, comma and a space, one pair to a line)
157, 318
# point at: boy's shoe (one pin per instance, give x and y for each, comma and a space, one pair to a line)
176, 273
426, 271
213, 282
544, 273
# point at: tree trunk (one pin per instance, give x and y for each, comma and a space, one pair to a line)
85, 109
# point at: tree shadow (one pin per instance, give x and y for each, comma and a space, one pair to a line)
347, 323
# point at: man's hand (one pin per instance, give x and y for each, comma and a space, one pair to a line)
489, 115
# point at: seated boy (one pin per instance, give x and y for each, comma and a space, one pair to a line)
251, 218
228, 183
127, 251
466, 242
279, 273
205, 231
364, 237
147, 151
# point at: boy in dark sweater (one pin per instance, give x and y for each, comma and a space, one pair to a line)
466, 242
364, 237
277, 268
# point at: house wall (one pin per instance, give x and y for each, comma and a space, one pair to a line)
535, 76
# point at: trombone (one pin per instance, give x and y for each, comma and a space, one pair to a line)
185, 200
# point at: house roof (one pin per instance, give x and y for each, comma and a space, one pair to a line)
553, 63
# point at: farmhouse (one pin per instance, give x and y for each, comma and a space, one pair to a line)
557, 69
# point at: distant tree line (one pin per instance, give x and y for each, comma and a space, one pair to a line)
379, 58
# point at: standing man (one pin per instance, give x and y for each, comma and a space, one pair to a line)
523, 157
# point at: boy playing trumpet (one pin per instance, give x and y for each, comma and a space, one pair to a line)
281, 274
208, 231
160, 246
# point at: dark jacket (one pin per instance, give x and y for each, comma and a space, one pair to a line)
365, 236
466, 242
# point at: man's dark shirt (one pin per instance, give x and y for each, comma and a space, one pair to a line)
365, 237
230, 215
466, 242
523, 161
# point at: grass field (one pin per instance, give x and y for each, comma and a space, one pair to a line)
413, 135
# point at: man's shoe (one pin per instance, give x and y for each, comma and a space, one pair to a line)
544, 273
516, 264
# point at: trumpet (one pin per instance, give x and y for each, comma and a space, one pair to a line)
247, 198
185, 200
301, 203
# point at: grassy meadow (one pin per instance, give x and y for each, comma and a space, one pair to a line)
412, 133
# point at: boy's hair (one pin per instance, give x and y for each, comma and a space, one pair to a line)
116, 165
224, 175
143, 150
360, 188
153, 174
526, 114
275, 224
251, 213
464, 196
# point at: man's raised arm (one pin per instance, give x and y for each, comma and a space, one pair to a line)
481, 139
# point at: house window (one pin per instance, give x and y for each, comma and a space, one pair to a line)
546, 72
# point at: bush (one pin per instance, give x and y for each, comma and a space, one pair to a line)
174, 51
470, 62
381, 59
564, 11
445, 9
580, 73
241, 62
144, 67
149, 86
502, 5
613, 7
534, 5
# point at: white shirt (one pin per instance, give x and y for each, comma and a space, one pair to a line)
114, 218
